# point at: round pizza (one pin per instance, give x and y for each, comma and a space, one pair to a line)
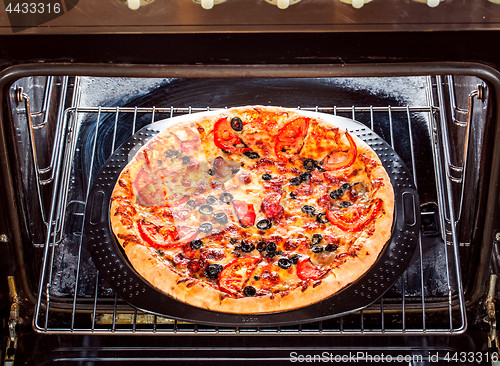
252, 209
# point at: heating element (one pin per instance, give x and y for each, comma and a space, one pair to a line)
70, 140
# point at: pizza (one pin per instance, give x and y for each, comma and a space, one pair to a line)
252, 209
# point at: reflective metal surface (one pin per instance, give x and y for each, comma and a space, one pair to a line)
185, 16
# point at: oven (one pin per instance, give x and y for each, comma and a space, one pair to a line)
425, 77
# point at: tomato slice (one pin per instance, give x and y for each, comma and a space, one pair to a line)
225, 139
290, 138
233, 277
165, 236
245, 212
355, 217
342, 158
308, 271
150, 190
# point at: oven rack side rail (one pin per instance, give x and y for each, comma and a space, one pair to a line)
96, 309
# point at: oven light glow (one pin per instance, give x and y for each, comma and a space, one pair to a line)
134, 4
358, 3
283, 4
207, 4
433, 3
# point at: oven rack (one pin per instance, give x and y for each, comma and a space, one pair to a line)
406, 310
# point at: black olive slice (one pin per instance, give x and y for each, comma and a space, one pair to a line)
171, 154
345, 204
331, 248
247, 247
270, 254
295, 181
213, 271
294, 259
261, 246
317, 249
321, 218
205, 209
196, 244
205, 228
235, 170
271, 247
267, 176
211, 172
226, 197
309, 210
251, 154
309, 164
249, 291
284, 263
304, 177
336, 194
345, 186
191, 204
264, 224
185, 160
316, 239
211, 200
236, 124
220, 217
293, 195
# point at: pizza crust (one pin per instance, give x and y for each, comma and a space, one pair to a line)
205, 295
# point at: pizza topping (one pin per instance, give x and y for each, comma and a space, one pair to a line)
304, 177
309, 164
354, 217
237, 124
247, 247
345, 204
172, 154
290, 138
284, 263
205, 228
245, 212
331, 248
213, 271
316, 239
164, 236
205, 209
225, 139
150, 191
295, 181
251, 154
249, 291
211, 200
220, 217
234, 276
196, 244
308, 271
308, 209
271, 208
261, 246
294, 258
191, 204
342, 158
264, 224
317, 249
226, 197
267, 176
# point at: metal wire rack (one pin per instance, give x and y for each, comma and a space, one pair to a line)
73, 297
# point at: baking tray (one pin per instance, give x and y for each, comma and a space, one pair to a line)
115, 268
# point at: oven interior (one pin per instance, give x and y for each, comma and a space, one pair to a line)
62, 128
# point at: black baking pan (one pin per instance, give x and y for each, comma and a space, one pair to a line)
135, 290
